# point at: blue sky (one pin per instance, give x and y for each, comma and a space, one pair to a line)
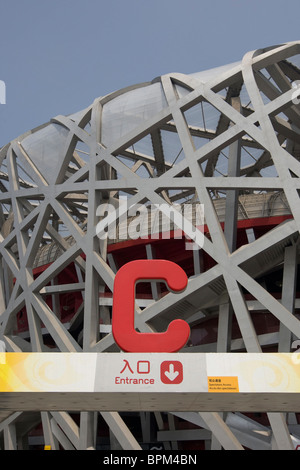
58, 55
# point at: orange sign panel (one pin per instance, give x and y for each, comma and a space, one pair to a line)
223, 384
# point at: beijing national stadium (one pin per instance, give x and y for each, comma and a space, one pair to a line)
85, 195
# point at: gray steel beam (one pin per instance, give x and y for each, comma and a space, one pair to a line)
288, 294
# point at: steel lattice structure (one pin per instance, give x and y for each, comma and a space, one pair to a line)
228, 138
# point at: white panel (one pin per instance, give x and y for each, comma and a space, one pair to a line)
46, 149
129, 110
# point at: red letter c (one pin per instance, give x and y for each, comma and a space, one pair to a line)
123, 329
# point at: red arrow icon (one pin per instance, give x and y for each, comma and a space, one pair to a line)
171, 372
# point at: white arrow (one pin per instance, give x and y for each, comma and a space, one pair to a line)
171, 373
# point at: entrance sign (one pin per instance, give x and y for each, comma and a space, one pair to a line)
149, 381
123, 328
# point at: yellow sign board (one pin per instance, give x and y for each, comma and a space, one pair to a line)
223, 384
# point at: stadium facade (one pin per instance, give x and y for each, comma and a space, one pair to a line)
226, 142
